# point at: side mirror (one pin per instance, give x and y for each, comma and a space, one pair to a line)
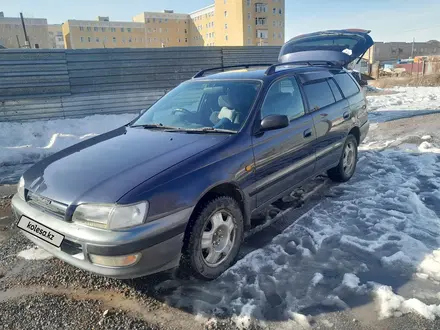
274, 122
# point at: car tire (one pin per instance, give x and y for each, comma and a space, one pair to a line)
213, 238
347, 164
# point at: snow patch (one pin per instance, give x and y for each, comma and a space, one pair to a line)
393, 305
301, 320
351, 281
318, 277
29, 142
430, 266
35, 253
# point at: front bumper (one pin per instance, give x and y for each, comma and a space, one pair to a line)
159, 242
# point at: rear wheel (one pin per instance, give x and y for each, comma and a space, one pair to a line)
213, 238
347, 164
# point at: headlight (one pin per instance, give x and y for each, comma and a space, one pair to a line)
110, 216
20, 188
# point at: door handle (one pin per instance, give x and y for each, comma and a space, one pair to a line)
307, 133
346, 115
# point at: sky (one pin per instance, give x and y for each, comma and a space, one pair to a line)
389, 20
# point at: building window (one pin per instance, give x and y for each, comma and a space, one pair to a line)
154, 29
248, 2
123, 40
226, 26
148, 20
224, 1
249, 15
249, 28
261, 7
260, 21
89, 29
226, 37
262, 34
274, 23
122, 29
81, 28
280, 11
226, 13
89, 39
249, 41
186, 39
97, 39
274, 10
154, 39
103, 29
178, 40
186, 31
128, 29
154, 20
81, 39
166, 30
114, 39
280, 35
166, 20
113, 29
95, 29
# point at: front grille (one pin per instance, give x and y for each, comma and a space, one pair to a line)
47, 205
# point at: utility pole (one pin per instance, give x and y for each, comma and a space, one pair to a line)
18, 41
412, 49
26, 38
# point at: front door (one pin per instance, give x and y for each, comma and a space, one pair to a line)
283, 157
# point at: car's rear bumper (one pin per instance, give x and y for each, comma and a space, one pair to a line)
159, 242
364, 130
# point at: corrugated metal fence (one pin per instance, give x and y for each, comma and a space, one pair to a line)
42, 84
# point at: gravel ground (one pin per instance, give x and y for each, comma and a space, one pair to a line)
45, 311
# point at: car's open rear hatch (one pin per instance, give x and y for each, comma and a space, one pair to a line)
338, 46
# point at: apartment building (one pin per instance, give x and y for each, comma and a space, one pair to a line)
12, 34
56, 39
103, 33
224, 23
167, 29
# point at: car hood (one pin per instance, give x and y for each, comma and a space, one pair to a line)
339, 46
104, 168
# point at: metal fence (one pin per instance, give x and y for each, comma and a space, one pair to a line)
42, 84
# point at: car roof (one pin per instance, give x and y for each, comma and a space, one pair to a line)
260, 74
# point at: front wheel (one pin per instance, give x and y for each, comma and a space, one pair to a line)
213, 238
347, 164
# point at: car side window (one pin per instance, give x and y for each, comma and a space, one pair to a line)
284, 98
347, 84
319, 94
336, 92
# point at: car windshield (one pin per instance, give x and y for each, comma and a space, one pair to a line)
203, 106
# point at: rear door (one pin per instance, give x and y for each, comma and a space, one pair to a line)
355, 97
283, 157
331, 115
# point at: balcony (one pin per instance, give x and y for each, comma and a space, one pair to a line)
261, 8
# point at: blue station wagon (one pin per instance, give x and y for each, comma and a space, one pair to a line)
180, 184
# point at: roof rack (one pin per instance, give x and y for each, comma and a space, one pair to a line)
202, 73
272, 68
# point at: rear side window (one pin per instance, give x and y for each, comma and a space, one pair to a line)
335, 90
347, 84
319, 95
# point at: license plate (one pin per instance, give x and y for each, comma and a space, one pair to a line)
38, 230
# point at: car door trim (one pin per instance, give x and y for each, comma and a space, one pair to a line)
272, 179
328, 149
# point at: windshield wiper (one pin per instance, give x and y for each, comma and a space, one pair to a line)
160, 126
202, 130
